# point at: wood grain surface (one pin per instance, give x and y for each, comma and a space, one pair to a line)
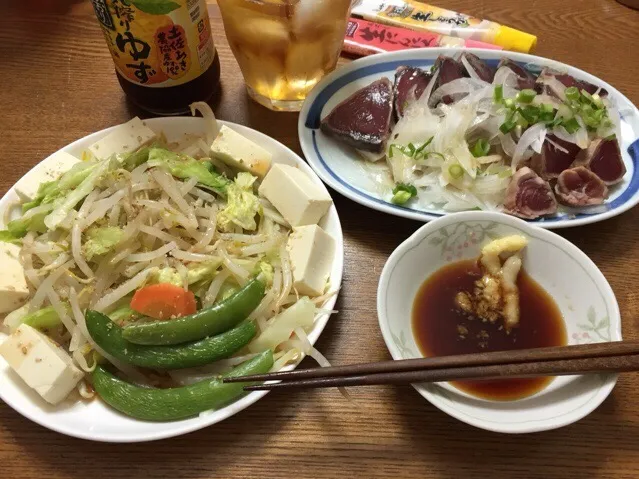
58, 85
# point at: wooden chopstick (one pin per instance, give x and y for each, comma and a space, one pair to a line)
560, 367
581, 351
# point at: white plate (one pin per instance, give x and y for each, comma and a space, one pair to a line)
584, 297
342, 169
95, 420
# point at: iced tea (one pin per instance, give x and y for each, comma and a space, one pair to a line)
284, 47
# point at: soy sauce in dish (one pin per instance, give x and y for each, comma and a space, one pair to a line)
441, 328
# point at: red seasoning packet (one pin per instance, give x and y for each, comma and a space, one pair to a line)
367, 38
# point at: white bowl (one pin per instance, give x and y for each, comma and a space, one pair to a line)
95, 420
584, 297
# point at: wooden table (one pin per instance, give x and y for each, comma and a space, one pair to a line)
58, 85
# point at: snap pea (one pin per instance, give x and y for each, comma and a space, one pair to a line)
108, 336
216, 319
175, 403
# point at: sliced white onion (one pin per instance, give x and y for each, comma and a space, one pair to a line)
469, 68
556, 145
506, 77
547, 100
213, 128
507, 143
460, 86
555, 85
485, 160
533, 138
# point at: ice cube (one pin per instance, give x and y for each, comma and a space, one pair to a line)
262, 33
311, 14
304, 64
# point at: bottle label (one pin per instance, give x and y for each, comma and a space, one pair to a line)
157, 43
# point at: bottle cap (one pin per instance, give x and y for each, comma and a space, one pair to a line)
516, 40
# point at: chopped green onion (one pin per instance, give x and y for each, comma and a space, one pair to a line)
572, 93
498, 94
520, 120
455, 171
402, 193
598, 101
546, 108
611, 137
556, 122
530, 113
509, 103
547, 116
571, 125
421, 148
526, 95
480, 148
409, 150
564, 111
507, 126
505, 173
588, 97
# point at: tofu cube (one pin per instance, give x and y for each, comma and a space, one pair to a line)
299, 200
123, 139
311, 250
13, 285
241, 153
41, 363
50, 170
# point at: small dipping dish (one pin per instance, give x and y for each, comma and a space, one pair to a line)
587, 307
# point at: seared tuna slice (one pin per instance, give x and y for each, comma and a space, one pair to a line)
556, 156
363, 119
528, 196
525, 79
580, 187
410, 83
479, 66
603, 158
449, 69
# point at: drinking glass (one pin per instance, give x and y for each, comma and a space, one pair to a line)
284, 47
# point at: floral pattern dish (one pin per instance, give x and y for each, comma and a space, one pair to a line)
584, 297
